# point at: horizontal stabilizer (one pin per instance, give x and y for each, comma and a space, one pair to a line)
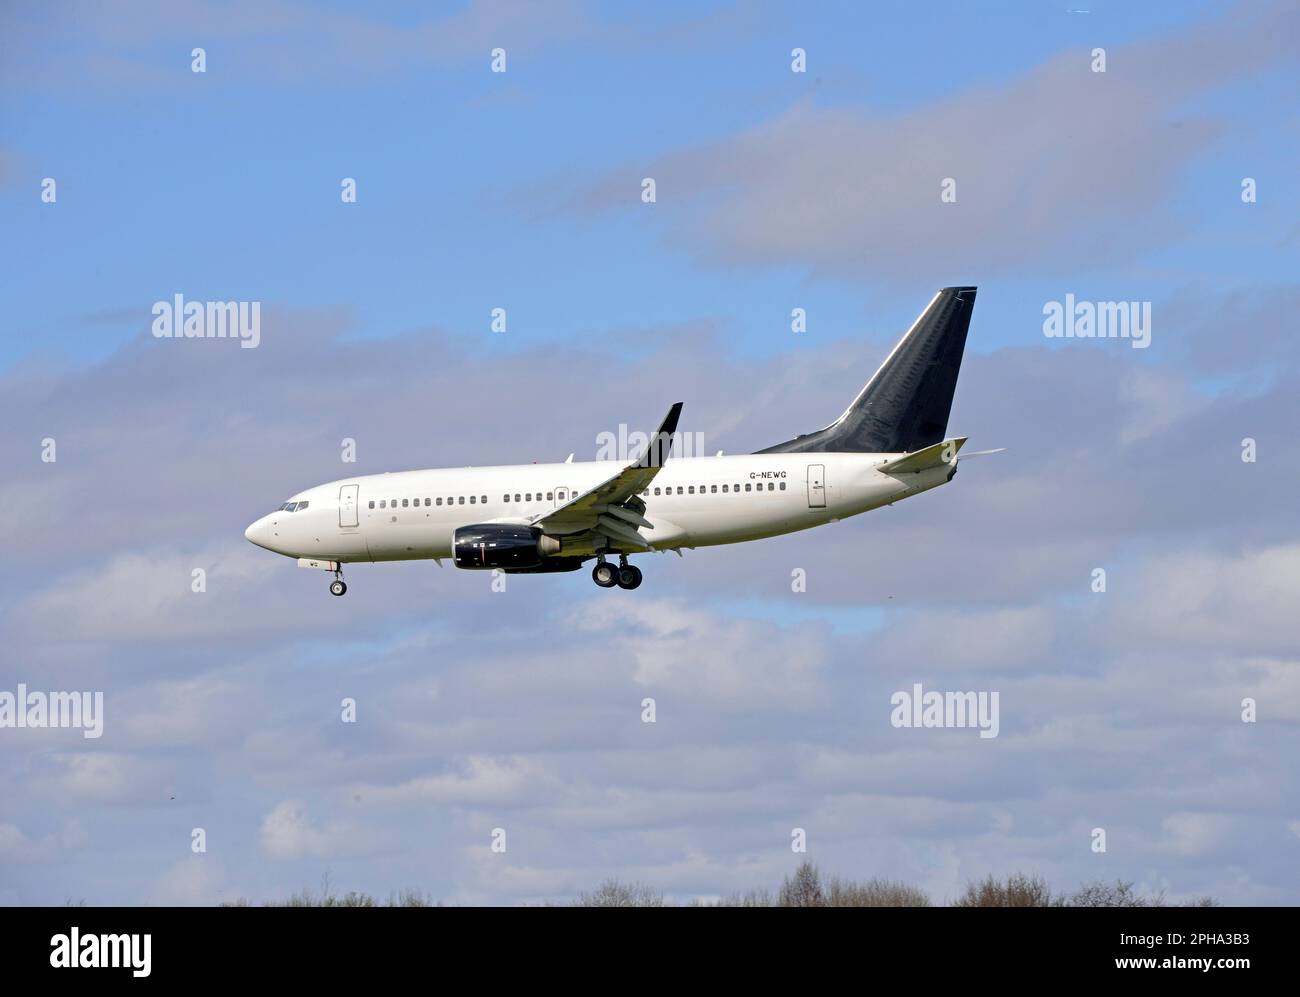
936, 455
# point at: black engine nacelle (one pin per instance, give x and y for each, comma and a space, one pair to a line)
501, 545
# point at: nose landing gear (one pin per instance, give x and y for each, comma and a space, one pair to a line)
338, 586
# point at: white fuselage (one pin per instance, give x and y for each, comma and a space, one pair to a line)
692, 502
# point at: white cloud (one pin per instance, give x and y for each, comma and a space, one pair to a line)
857, 192
288, 832
194, 881
698, 654
1197, 833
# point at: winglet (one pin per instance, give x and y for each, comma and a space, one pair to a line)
662, 440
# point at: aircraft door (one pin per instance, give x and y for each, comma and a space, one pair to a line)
562, 497
816, 486
348, 506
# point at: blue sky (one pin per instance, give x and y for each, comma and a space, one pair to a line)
520, 190
211, 183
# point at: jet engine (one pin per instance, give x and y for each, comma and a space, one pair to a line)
502, 545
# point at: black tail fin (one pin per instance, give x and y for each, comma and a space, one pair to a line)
905, 406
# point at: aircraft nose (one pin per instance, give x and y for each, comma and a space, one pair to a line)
259, 533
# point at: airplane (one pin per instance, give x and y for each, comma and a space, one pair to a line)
888, 445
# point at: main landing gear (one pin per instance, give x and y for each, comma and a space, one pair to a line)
625, 576
338, 586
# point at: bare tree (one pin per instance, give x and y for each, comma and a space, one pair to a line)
1019, 890
612, 893
874, 893
1120, 894
804, 889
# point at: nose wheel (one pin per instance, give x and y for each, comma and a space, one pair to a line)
338, 586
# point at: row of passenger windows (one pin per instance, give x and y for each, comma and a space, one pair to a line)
406, 503
550, 496
473, 500
292, 507
713, 489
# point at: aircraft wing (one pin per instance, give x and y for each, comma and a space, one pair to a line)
612, 507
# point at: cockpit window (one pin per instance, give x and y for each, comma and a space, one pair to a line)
301, 506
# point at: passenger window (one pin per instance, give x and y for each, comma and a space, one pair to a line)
656, 491
516, 496
782, 486
428, 502
484, 500
383, 504
679, 490
392, 503
550, 496
471, 500
724, 489
771, 487
460, 499
405, 503
372, 503
440, 500
713, 489
748, 487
